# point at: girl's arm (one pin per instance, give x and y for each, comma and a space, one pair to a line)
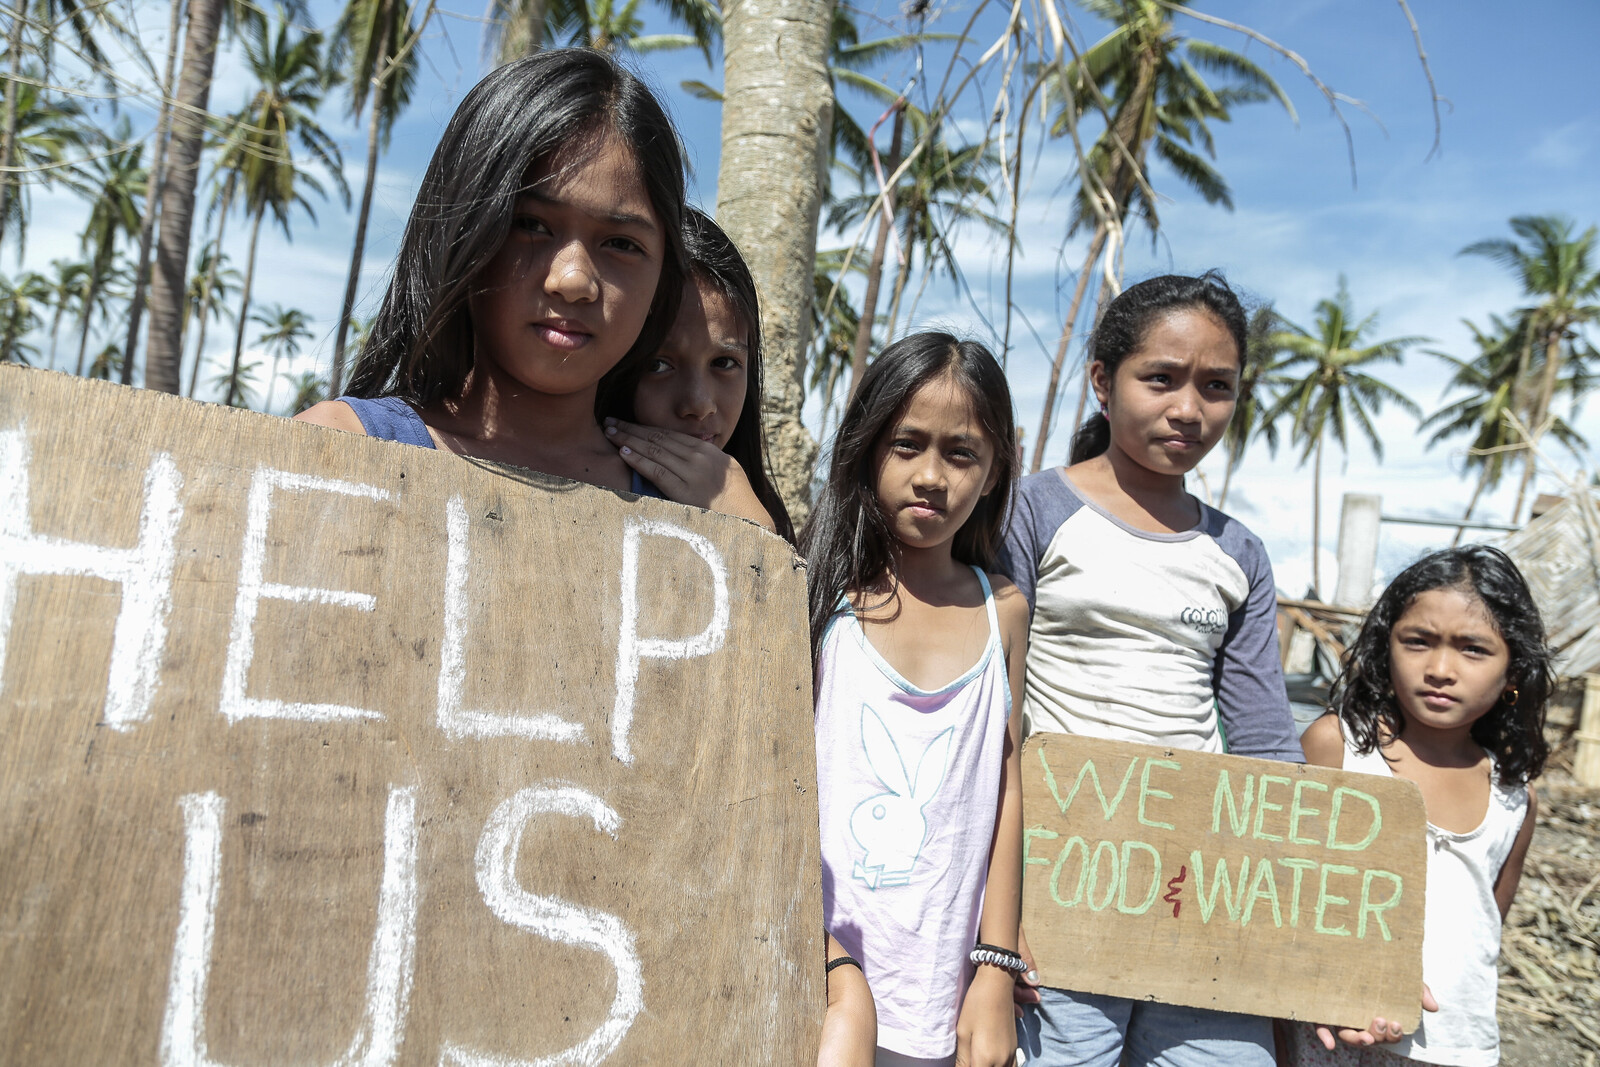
986, 1034
1510, 876
334, 413
1247, 676
689, 470
850, 1027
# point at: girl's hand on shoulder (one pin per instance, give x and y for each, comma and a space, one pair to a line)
1378, 1032
986, 1032
688, 470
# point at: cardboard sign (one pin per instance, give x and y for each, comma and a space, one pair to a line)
1242, 885
318, 749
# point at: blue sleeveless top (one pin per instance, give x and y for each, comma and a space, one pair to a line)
391, 418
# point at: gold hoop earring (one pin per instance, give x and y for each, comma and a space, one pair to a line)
1509, 697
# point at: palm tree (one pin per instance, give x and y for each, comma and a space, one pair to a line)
520, 27
309, 389
1258, 377
238, 384
69, 287
1558, 271
1334, 393
1157, 99
260, 145
206, 298
381, 69
118, 181
286, 328
107, 362
21, 305
1491, 380
49, 18
942, 188
44, 131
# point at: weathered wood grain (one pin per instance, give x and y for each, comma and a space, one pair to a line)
403, 873
1159, 874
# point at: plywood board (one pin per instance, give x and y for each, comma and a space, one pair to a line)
318, 749
1221, 882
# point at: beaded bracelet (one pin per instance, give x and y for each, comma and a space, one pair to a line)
996, 956
840, 961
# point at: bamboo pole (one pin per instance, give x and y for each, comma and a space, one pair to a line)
1586, 763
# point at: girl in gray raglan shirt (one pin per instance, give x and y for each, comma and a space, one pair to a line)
1153, 615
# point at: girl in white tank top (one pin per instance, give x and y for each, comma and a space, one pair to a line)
919, 658
1446, 685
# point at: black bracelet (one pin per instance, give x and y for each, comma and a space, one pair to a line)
997, 948
840, 961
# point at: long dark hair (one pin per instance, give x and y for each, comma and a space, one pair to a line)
847, 541
512, 123
711, 256
1126, 320
1364, 696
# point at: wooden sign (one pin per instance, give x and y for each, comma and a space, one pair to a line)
317, 749
1221, 882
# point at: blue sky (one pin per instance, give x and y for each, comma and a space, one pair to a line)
1521, 135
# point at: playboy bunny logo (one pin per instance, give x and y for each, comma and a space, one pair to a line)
890, 826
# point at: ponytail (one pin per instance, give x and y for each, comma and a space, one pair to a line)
1091, 440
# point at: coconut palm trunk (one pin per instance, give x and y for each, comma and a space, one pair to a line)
8, 136
776, 115
1096, 246
902, 274
880, 246
89, 300
152, 195
1316, 523
374, 131
244, 306
1548, 376
164, 348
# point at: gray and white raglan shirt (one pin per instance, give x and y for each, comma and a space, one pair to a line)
1147, 637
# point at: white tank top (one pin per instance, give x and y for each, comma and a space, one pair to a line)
908, 787
1461, 928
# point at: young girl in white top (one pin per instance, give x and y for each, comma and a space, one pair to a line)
1153, 615
1446, 686
919, 665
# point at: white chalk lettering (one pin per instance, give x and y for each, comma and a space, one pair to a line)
458, 722
631, 648
390, 965
253, 589
556, 919
144, 572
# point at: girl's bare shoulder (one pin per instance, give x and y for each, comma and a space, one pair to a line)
332, 413
1010, 606
1323, 743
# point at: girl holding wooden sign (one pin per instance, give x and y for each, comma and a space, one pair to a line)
543, 250
1153, 616
919, 665
1446, 685
698, 396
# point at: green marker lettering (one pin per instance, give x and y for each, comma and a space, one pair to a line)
1263, 887
1324, 898
1128, 848
1298, 811
1333, 819
1239, 820
1145, 792
1087, 770
1377, 910
1300, 867
1083, 871
1103, 848
1232, 892
1263, 805
1027, 840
